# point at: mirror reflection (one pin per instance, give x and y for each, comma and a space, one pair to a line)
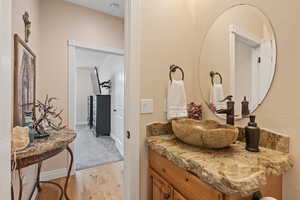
238, 58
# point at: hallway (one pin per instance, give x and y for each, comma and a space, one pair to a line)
91, 151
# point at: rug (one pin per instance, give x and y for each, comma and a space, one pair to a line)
92, 151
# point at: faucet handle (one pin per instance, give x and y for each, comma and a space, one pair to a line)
229, 98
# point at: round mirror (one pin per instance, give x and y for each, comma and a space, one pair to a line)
238, 58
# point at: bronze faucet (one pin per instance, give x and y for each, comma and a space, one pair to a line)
229, 111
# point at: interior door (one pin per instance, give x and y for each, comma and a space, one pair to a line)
245, 64
117, 96
265, 69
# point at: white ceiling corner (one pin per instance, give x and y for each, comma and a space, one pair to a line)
103, 6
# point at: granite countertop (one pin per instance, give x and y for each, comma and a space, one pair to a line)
56, 140
231, 171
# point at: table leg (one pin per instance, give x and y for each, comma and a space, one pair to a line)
21, 184
38, 177
12, 192
69, 173
37, 182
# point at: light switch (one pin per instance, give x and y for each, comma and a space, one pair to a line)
146, 106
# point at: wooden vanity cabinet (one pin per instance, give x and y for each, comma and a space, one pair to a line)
169, 182
161, 190
178, 196
185, 186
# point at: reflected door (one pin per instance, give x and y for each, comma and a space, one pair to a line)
117, 94
246, 76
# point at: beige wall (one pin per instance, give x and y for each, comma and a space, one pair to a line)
59, 22
168, 37
18, 9
173, 31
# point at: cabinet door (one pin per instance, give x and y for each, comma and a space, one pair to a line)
178, 196
190, 186
161, 190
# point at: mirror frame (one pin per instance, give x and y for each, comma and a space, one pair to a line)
239, 117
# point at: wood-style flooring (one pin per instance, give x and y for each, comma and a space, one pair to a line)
100, 183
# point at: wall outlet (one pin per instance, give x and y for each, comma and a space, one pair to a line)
147, 106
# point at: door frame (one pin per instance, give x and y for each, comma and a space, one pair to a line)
234, 33
132, 189
6, 88
72, 80
133, 32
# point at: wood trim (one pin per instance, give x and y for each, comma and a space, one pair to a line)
72, 88
54, 174
6, 88
134, 171
110, 50
251, 39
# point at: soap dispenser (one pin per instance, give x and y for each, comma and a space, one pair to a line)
245, 108
252, 134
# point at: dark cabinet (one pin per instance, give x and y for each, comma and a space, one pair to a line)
90, 112
101, 115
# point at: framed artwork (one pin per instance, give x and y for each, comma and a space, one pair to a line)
24, 80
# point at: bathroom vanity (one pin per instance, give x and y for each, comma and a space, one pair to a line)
179, 171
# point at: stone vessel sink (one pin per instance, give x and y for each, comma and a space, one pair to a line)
205, 133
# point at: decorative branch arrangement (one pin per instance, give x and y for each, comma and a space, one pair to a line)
48, 116
106, 84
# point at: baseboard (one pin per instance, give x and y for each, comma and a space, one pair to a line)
54, 174
81, 123
118, 145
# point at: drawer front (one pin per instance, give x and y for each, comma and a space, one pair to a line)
178, 196
187, 184
161, 190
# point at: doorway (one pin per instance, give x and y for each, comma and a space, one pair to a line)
99, 106
246, 76
245, 50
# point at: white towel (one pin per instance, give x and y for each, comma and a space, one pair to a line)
216, 95
176, 101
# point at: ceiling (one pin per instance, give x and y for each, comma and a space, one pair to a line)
87, 59
107, 6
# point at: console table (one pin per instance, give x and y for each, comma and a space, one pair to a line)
40, 150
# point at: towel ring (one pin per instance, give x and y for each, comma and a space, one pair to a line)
212, 76
173, 68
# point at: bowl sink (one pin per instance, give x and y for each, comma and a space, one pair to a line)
205, 133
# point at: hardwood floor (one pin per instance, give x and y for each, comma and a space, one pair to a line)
100, 183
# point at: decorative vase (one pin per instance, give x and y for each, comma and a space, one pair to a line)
28, 122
